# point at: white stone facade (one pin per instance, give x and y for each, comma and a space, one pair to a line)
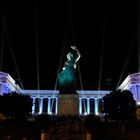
89, 101
132, 83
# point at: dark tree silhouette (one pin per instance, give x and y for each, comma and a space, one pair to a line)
119, 105
15, 105
43, 121
92, 122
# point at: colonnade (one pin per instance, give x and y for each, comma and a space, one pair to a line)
89, 106
135, 89
50, 106
45, 106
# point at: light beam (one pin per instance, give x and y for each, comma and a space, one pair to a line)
12, 52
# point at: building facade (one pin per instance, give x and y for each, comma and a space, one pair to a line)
47, 101
132, 83
8, 84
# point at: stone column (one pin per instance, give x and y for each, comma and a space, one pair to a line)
80, 106
41, 106
96, 106
88, 106
1, 89
49, 102
33, 106
84, 103
56, 106
136, 93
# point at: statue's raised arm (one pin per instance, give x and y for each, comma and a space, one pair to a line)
78, 55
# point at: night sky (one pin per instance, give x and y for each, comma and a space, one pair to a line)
36, 36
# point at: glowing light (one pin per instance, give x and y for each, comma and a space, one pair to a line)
96, 106
138, 33
52, 103
41, 106
84, 105
96, 113
50, 113
101, 64
138, 103
85, 113
80, 106
11, 51
37, 63
1, 54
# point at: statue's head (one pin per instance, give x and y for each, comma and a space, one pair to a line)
73, 47
69, 56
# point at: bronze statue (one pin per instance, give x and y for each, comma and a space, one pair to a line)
67, 77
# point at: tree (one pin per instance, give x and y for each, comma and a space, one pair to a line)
92, 122
43, 121
119, 105
15, 105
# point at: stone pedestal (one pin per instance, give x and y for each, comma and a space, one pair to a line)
68, 104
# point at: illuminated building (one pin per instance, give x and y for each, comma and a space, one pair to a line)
8, 84
132, 83
47, 101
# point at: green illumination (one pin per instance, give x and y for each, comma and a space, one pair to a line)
66, 78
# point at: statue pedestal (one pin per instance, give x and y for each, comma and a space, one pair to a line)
68, 104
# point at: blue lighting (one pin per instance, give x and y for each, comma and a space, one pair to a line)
85, 113
88, 99
96, 107
80, 106
40, 106
50, 113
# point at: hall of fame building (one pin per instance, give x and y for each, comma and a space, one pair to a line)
83, 103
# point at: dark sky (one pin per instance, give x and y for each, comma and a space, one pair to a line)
35, 35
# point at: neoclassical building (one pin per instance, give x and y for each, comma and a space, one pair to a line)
132, 83
51, 102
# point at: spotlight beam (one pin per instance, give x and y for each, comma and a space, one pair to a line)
12, 52
37, 44
126, 62
2, 51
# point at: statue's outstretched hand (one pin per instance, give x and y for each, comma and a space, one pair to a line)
74, 47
